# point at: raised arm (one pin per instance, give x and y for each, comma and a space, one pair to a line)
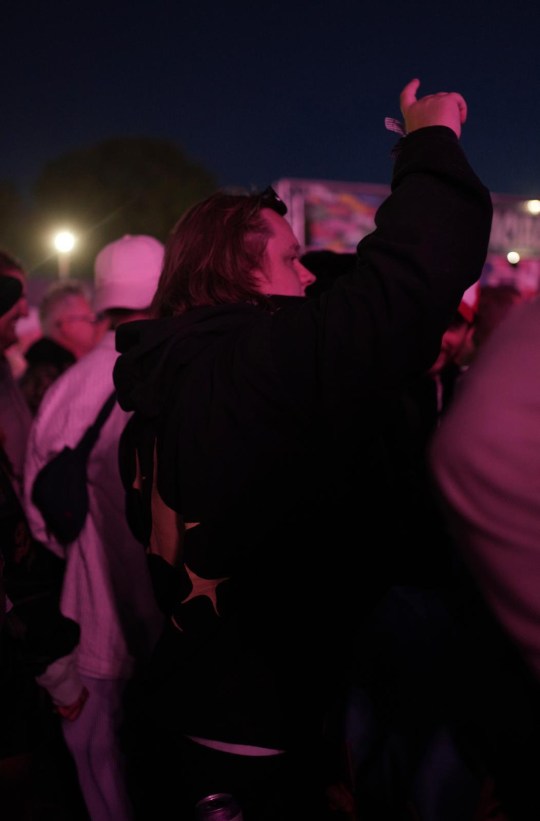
384, 322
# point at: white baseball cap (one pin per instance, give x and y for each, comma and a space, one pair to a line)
127, 273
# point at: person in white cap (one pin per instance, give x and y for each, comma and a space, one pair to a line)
106, 587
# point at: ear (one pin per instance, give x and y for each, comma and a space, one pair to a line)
261, 281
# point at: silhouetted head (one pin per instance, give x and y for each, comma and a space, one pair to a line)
230, 248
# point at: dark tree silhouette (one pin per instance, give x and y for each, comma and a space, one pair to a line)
124, 185
13, 219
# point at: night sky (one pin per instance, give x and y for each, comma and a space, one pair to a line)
258, 91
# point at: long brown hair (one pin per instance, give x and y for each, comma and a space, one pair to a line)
212, 254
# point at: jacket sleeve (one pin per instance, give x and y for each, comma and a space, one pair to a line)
383, 323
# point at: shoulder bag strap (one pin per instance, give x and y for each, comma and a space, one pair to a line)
91, 434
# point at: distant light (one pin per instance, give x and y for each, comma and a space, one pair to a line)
513, 257
533, 207
64, 241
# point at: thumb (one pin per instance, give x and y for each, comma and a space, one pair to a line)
462, 106
408, 95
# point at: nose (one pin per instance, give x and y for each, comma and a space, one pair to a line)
306, 277
23, 306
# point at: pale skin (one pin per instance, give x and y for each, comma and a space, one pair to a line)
455, 344
72, 711
282, 272
443, 108
75, 326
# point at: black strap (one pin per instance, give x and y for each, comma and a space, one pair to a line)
91, 434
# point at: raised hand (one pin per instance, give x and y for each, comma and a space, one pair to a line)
72, 711
444, 108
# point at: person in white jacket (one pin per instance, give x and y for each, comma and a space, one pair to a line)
106, 589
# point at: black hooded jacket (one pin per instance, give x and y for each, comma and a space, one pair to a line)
254, 466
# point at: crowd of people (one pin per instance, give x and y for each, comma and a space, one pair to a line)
307, 575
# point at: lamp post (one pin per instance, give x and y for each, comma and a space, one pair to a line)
64, 242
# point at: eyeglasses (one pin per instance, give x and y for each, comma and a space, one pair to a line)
269, 199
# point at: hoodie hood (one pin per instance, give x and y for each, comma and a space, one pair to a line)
154, 351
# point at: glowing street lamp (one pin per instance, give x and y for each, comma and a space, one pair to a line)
513, 257
533, 207
64, 242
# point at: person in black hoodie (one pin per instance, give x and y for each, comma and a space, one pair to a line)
254, 466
